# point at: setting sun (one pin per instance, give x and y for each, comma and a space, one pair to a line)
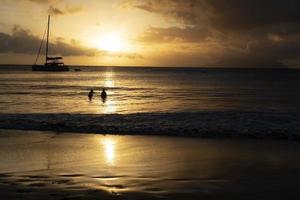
111, 42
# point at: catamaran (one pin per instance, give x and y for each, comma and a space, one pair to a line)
52, 64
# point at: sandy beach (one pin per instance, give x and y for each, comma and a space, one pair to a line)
48, 165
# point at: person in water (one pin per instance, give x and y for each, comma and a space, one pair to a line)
90, 95
103, 94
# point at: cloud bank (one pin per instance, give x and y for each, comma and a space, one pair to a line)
24, 42
67, 10
54, 9
234, 32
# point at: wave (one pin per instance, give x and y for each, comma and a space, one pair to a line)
225, 124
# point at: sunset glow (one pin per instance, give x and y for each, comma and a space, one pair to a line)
111, 42
170, 33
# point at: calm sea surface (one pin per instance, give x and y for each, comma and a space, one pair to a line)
151, 90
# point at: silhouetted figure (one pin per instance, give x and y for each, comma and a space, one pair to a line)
103, 95
91, 94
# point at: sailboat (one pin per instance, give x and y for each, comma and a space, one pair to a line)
52, 64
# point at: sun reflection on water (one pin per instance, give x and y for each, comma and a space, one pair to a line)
109, 150
109, 105
109, 83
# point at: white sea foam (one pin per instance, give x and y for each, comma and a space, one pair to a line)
200, 124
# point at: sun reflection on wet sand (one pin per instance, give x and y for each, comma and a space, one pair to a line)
109, 146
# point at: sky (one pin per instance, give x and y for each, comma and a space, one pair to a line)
179, 33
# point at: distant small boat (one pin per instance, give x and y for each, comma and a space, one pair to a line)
52, 64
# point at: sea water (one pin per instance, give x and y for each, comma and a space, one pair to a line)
148, 90
148, 100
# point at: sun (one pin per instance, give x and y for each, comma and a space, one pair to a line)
112, 42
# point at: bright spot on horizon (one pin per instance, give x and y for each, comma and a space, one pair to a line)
109, 150
112, 42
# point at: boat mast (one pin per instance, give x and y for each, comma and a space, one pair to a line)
47, 38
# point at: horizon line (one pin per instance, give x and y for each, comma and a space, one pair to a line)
148, 66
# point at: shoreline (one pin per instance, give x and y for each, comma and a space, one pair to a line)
223, 124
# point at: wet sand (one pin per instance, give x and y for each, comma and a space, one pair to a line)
47, 165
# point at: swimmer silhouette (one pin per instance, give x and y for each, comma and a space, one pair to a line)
103, 95
90, 95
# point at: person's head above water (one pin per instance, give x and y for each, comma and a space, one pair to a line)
92, 91
103, 90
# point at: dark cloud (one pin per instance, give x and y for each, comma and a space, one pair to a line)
186, 11
45, 1
40, 1
67, 10
254, 14
174, 34
253, 32
229, 14
23, 42
55, 11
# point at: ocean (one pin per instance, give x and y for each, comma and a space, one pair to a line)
162, 99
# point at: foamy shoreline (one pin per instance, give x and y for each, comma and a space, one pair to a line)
225, 124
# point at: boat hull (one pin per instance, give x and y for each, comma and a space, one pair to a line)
49, 68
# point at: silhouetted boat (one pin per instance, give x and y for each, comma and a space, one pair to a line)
52, 64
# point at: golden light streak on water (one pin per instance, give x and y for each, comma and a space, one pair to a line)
110, 106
